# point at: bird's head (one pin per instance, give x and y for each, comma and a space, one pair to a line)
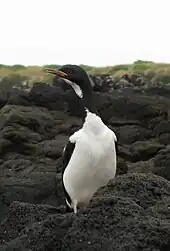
75, 76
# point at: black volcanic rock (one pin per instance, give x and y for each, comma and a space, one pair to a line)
47, 96
120, 220
3, 98
131, 213
19, 97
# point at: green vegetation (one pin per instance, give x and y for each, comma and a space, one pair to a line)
17, 74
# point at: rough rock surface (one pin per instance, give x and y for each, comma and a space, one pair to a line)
131, 213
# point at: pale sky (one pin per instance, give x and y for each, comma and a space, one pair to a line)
91, 32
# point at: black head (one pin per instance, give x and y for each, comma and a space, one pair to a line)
76, 77
74, 73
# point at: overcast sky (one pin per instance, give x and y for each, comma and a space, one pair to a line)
92, 32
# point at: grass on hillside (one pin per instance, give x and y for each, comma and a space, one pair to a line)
157, 71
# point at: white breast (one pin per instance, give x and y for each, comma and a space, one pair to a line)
93, 162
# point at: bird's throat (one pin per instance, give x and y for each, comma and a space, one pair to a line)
88, 105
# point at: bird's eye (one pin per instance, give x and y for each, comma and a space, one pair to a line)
69, 71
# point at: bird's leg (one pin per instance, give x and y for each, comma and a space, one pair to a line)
71, 208
68, 209
75, 207
82, 209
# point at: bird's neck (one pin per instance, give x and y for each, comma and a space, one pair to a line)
88, 103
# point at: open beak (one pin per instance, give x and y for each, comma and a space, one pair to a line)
57, 73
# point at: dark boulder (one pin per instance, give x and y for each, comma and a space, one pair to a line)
19, 97
47, 96
3, 98
162, 163
123, 216
145, 150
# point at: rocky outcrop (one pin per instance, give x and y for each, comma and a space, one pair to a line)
108, 83
131, 213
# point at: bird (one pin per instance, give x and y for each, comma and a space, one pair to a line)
89, 158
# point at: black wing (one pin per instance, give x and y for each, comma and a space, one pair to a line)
69, 148
116, 147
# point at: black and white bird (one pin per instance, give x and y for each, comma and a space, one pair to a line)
89, 158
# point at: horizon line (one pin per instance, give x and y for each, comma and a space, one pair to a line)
81, 64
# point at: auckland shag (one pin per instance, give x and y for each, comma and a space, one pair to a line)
89, 158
